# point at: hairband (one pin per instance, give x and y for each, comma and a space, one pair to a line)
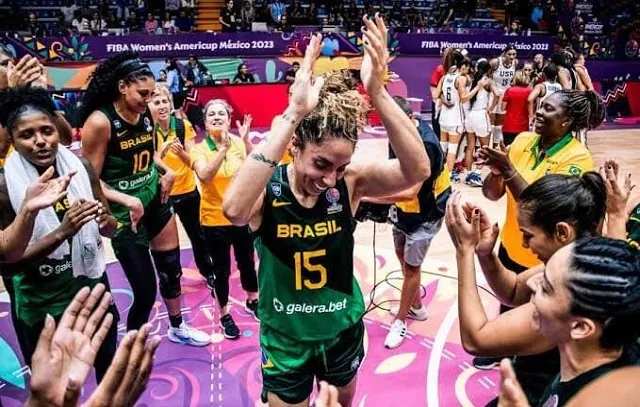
129, 66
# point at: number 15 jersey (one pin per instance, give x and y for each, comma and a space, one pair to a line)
307, 286
128, 166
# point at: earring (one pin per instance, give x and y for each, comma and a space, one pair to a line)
564, 124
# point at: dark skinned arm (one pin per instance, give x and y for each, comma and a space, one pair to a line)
109, 228
17, 229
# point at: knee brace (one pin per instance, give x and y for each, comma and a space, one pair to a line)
452, 148
169, 272
497, 134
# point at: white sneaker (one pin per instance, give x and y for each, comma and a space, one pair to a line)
396, 334
417, 314
188, 336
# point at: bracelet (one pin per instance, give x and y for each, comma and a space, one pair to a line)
515, 173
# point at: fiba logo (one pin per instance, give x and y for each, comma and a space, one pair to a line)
46, 270
123, 184
279, 307
333, 195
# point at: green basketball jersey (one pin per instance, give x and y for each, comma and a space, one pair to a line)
307, 287
47, 285
128, 166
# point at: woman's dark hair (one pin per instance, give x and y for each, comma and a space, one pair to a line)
508, 48
604, 282
240, 67
586, 108
103, 82
452, 58
14, 102
465, 62
482, 68
173, 64
578, 201
561, 58
550, 72
404, 105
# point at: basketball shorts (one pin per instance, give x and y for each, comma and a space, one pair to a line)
479, 123
155, 218
290, 366
415, 245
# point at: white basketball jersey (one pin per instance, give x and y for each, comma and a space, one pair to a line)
549, 88
466, 106
451, 116
503, 75
482, 100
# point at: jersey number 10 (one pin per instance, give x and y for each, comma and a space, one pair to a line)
303, 260
141, 161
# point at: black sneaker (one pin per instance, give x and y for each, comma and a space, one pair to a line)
252, 307
485, 363
229, 328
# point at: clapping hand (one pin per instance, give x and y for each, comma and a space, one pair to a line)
617, 193
511, 393
64, 356
305, 90
244, 127
376, 55
464, 232
45, 191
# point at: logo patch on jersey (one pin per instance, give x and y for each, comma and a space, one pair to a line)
355, 364
147, 124
573, 170
277, 305
45, 270
277, 204
123, 184
333, 196
276, 189
121, 133
266, 362
117, 124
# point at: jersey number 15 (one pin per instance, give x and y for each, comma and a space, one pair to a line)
303, 261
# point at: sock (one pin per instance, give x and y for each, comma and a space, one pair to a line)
175, 320
497, 134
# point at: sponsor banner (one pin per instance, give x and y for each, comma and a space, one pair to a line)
263, 44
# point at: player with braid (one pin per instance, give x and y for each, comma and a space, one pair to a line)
302, 214
117, 138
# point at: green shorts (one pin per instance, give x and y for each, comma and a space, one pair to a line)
155, 218
289, 366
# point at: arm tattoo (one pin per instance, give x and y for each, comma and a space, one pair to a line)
261, 158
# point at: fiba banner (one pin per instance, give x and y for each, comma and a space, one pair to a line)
93, 48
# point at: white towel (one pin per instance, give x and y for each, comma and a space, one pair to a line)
87, 251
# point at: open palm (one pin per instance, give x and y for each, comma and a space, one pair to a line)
63, 359
45, 191
305, 91
376, 55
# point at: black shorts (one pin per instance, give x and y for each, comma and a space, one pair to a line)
337, 363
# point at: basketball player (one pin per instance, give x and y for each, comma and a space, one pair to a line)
311, 306
504, 69
542, 90
478, 124
117, 138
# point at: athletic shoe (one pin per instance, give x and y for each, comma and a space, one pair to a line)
485, 363
229, 328
396, 334
455, 178
417, 314
474, 179
187, 335
252, 307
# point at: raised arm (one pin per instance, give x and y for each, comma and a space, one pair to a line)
243, 198
375, 178
509, 334
532, 99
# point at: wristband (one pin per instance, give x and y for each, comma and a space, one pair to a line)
515, 173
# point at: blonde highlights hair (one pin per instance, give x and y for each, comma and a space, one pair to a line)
163, 90
521, 79
341, 113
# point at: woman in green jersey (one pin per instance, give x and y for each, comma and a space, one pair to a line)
310, 304
66, 252
117, 138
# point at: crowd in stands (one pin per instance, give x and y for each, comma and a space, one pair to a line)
97, 17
